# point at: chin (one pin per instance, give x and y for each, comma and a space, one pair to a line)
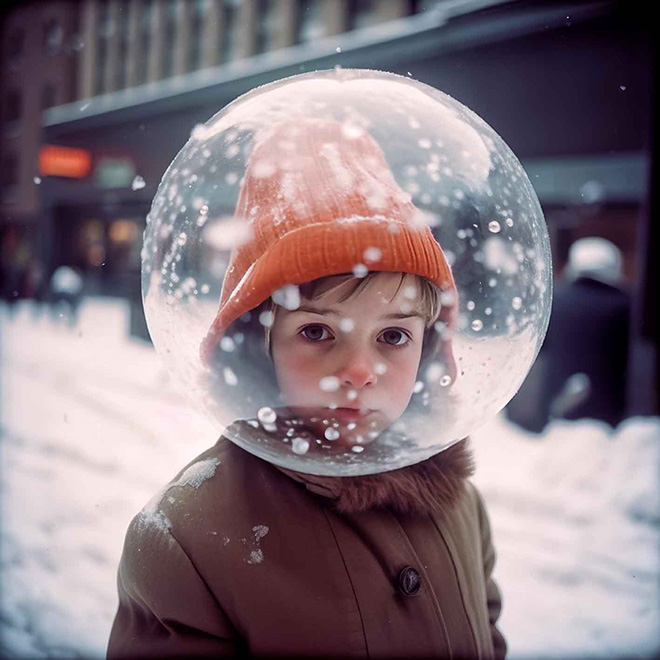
355, 426
352, 430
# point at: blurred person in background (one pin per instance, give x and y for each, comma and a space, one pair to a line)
581, 370
66, 287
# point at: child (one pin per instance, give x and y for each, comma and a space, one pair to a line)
238, 556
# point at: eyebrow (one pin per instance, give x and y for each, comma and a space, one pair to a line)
323, 311
403, 315
329, 311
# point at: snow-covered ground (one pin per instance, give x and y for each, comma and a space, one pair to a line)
92, 426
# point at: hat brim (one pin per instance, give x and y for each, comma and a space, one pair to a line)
322, 249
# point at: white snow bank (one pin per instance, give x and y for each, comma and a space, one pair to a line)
575, 516
92, 427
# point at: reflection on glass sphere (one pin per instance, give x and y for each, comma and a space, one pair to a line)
348, 271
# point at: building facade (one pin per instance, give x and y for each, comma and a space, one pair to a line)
568, 86
93, 51
38, 72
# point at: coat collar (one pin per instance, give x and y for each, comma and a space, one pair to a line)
422, 488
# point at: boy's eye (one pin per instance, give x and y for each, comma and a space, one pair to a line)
315, 333
395, 337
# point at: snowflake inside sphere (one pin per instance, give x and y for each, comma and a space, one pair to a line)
348, 271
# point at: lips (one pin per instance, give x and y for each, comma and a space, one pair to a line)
350, 413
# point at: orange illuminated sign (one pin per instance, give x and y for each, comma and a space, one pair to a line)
64, 161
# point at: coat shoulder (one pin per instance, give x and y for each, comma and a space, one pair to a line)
221, 505
215, 482
165, 605
156, 525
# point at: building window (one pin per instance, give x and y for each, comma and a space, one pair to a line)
229, 23
53, 36
310, 21
266, 24
104, 33
170, 38
196, 34
92, 242
124, 15
48, 96
361, 13
124, 245
15, 47
144, 41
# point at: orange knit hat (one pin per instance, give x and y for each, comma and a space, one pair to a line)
319, 199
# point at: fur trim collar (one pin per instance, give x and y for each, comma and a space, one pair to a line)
427, 487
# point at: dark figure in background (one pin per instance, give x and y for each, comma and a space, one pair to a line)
65, 294
581, 370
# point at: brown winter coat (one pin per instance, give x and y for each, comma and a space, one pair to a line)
239, 557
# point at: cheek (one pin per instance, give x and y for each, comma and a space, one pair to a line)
401, 376
296, 374
405, 364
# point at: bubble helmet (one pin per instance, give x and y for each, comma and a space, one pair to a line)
311, 186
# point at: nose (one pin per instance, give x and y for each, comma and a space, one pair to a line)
357, 370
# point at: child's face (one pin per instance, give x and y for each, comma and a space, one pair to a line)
351, 363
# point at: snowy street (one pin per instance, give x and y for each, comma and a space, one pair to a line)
92, 426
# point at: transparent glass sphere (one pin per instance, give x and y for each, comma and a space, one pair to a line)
258, 272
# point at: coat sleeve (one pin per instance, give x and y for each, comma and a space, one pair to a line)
165, 608
493, 595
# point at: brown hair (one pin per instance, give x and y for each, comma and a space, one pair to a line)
429, 295
429, 292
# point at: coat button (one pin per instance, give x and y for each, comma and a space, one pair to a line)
409, 581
